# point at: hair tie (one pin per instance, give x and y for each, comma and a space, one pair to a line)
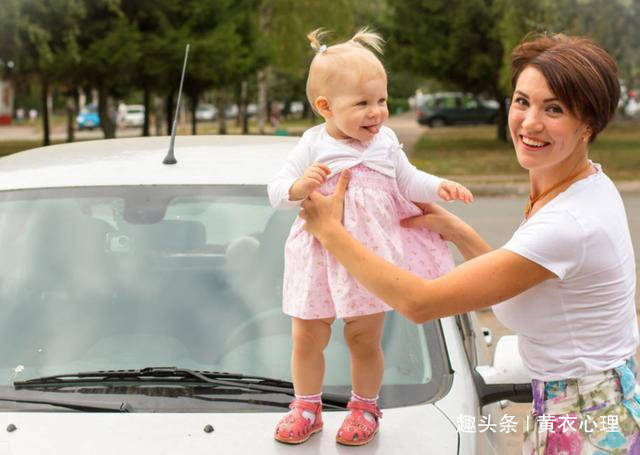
322, 49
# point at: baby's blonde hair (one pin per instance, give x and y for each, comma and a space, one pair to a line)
332, 64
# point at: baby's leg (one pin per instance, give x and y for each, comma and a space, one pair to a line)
310, 337
363, 335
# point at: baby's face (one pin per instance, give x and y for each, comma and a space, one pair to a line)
358, 109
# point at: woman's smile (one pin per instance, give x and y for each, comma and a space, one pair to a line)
531, 143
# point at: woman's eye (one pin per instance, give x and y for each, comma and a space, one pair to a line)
362, 103
521, 101
555, 109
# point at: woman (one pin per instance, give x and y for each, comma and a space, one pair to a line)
565, 282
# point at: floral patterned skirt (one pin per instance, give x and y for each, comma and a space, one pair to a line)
595, 415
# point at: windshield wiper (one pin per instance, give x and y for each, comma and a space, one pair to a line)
80, 405
151, 375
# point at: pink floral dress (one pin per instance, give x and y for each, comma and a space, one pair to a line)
317, 286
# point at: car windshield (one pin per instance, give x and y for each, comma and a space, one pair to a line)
130, 277
88, 110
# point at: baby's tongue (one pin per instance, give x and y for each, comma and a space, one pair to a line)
373, 129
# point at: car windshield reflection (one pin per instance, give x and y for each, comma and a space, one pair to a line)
188, 276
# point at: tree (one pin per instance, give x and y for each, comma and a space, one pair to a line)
160, 24
110, 49
593, 18
456, 42
9, 36
285, 24
47, 34
222, 51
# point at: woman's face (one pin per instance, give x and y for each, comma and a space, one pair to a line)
544, 132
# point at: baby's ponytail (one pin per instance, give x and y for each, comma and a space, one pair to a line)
314, 40
368, 37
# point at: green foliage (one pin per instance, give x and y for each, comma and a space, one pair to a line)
453, 41
42, 36
614, 24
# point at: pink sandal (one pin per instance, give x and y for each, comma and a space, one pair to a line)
293, 428
356, 430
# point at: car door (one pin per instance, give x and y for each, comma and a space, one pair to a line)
471, 110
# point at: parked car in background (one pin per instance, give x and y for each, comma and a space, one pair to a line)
140, 306
88, 118
449, 108
134, 115
206, 112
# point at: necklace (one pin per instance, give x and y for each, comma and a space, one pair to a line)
533, 200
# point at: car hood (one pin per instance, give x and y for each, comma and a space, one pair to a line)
408, 430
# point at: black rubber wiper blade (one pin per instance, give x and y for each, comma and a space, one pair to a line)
152, 374
84, 405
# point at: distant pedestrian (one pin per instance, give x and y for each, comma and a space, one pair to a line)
20, 116
121, 113
33, 115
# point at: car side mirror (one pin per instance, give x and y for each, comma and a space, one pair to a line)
507, 378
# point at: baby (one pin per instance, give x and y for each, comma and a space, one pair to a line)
347, 86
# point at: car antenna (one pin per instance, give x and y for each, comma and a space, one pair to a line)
170, 158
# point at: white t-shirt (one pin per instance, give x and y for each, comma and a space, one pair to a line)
383, 154
584, 321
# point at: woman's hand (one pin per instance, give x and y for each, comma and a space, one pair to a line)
451, 228
323, 214
436, 219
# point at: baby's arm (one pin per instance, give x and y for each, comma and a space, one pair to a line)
451, 191
419, 186
297, 178
313, 178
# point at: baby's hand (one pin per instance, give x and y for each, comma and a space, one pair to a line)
451, 191
312, 179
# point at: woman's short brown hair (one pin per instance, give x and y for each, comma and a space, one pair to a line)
579, 72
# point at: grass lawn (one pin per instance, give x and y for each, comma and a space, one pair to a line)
474, 151
11, 146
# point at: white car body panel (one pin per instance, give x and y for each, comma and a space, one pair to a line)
251, 161
471, 443
183, 433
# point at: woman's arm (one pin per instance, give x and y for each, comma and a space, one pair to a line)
483, 281
451, 228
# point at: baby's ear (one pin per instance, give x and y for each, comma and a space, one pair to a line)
322, 106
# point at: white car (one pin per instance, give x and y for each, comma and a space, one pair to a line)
206, 112
134, 115
140, 313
